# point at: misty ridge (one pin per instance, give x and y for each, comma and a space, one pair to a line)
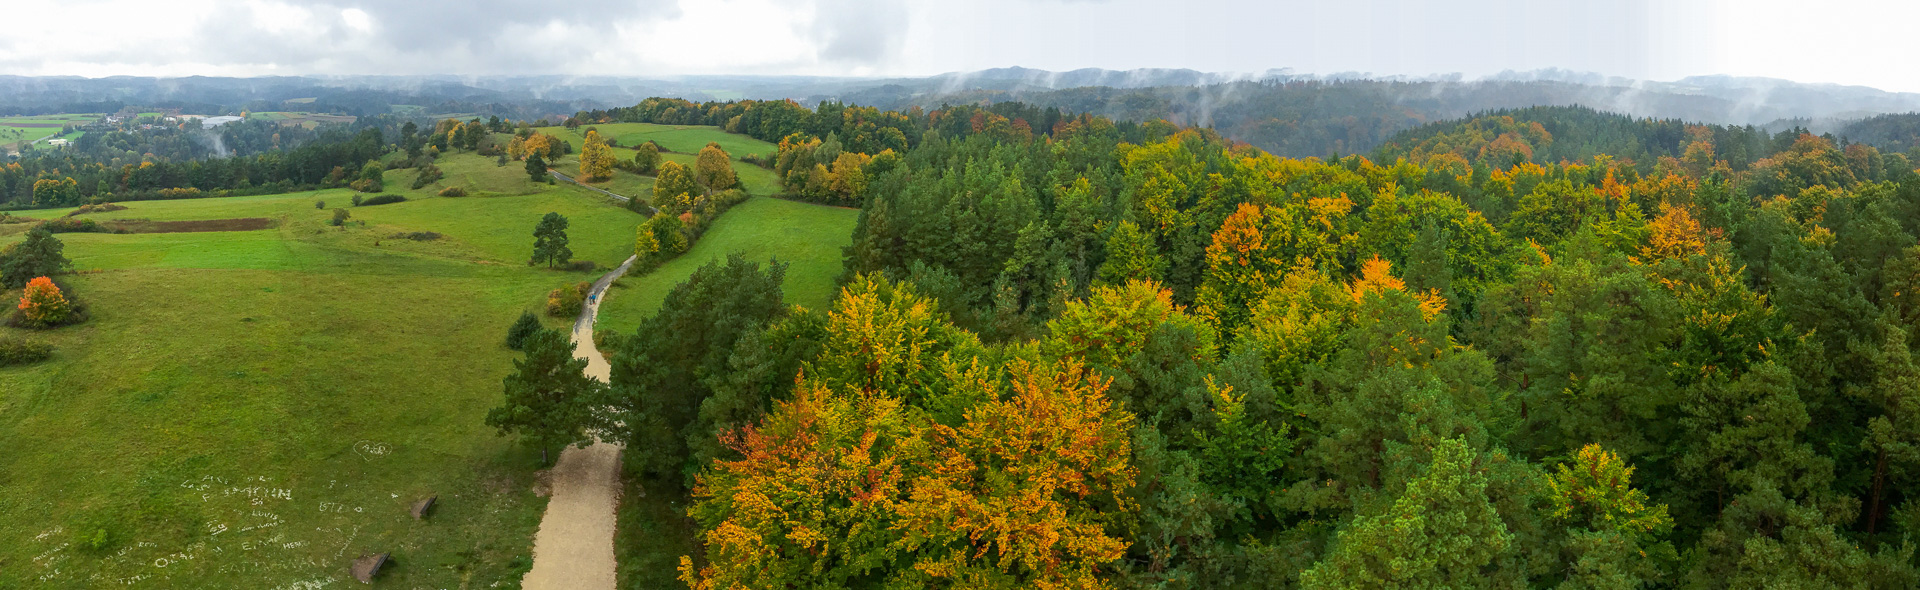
1287, 113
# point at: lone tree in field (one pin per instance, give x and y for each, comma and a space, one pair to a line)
548, 397
37, 256
646, 158
550, 241
596, 159
536, 167
42, 302
714, 169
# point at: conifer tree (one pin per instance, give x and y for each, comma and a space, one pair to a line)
536, 167
39, 255
549, 398
550, 241
1442, 532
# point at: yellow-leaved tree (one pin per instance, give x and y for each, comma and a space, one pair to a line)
596, 159
714, 169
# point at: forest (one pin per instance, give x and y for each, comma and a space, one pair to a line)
1077, 352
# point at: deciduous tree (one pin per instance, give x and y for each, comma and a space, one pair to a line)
714, 169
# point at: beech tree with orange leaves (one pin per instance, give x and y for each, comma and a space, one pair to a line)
42, 303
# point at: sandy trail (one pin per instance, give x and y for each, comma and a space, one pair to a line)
574, 548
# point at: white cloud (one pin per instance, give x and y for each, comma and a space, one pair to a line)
1845, 41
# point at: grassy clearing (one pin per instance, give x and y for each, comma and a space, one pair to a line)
474, 230
686, 139
808, 237
255, 409
16, 136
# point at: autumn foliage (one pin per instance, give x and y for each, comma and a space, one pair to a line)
42, 303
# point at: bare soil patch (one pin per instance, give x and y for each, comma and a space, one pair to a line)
141, 226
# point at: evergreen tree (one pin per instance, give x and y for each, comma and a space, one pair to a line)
549, 399
550, 241
39, 255
1442, 532
1131, 255
659, 375
521, 329
536, 167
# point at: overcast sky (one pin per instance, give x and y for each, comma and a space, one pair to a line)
1840, 41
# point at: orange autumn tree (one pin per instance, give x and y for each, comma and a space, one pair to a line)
857, 478
1014, 495
42, 302
1238, 268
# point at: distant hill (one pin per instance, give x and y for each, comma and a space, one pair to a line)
1897, 132
1278, 110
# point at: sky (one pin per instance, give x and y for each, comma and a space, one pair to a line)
1856, 42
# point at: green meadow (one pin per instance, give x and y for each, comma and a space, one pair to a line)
686, 139
255, 409
808, 237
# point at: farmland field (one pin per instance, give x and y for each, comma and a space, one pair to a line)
257, 408
16, 131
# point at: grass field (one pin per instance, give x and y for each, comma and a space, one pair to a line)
15, 131
687, 139
806, 236
255, 409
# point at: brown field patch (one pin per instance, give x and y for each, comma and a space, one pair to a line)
141, 226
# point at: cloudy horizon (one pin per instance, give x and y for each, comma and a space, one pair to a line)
1637, 39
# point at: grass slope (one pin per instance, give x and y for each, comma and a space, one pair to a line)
686, 139
255, 409
808, 237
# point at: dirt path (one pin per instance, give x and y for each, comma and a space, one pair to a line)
574, 548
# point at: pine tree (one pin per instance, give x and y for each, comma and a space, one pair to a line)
550, 241
536, 167
39, 255
548, 397
1442, 532
1131, 255
521, 329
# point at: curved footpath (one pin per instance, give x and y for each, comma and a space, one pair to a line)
574, 548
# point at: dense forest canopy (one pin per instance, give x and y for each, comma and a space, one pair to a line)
1077, 352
